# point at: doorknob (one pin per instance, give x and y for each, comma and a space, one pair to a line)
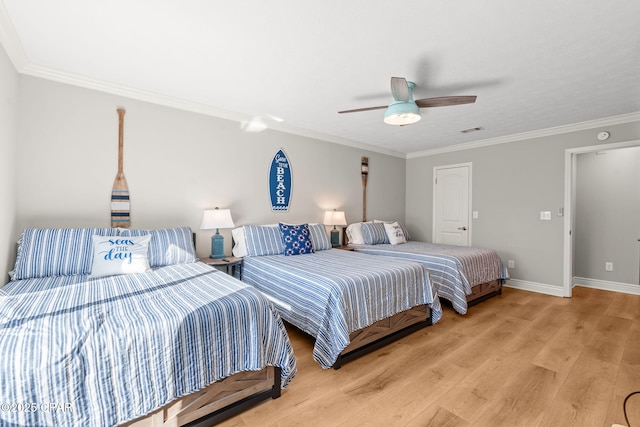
462, 228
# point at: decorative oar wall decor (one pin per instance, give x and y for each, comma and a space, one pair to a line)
364, 169
120, 208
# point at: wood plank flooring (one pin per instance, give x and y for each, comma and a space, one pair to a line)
520, 359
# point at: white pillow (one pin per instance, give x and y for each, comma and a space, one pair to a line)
354, 234
395, 233
120, 255
239, 243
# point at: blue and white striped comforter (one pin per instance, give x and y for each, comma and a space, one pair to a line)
77, 351
454, 270
331, 293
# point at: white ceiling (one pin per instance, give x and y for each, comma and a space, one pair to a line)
532, 64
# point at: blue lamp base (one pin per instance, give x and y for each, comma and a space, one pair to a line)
217, 245
335, 237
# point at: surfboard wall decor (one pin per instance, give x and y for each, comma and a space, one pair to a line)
280, 182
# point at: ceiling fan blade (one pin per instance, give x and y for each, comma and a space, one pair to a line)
363, 109
445, 101
399, 88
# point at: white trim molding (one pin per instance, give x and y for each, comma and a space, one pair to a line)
627, 288
541, 288
608, 121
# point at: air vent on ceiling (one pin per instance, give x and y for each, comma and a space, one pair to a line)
476, 129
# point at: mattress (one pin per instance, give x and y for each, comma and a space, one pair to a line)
76, 350
454, 270
331, 293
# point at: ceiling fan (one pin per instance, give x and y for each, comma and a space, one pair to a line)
403, 110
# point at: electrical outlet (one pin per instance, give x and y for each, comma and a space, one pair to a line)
608, 266
511, 264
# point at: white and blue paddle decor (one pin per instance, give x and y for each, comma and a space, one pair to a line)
120, 209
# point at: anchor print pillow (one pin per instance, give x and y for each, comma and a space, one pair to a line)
296, 239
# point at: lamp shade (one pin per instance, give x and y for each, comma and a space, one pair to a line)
334, 218
402, 113
216, 218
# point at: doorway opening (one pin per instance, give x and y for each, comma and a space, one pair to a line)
571, 159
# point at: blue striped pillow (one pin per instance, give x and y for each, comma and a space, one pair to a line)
168, 246
374, 233
319, 237
263, 240
44, 252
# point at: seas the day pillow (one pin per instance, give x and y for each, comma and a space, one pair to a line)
296, 239
395, 233
120, 255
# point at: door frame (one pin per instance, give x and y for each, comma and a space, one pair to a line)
468, 165
570, 162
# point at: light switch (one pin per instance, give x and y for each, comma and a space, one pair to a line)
545, 215
475, 214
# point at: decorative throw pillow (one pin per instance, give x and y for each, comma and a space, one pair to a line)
374, 233
296, 239
402, 225
395, 233
120, 255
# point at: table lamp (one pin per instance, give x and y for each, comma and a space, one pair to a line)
217, 218
334, 218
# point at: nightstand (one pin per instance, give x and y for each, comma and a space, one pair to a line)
230, 263
344, 248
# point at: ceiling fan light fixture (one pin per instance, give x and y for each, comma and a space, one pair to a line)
402, 113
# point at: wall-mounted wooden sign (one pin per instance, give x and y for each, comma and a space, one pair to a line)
280, 181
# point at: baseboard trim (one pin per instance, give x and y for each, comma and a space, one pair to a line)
626, 288
541, 288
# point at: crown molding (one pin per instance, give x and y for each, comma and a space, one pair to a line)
182, 104
608, 121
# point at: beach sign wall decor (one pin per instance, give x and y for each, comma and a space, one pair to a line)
280, 181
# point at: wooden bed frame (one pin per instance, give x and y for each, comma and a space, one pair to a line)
484, 291
217, 402
383, 332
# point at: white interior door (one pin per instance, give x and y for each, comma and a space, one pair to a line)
452, 205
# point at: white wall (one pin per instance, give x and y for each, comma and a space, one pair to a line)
177, 164
8, 142
607, 221
512, 183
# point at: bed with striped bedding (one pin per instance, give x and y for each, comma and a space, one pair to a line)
329, 294
77, 350
460, 274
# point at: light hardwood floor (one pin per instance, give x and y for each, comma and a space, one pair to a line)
519, 359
